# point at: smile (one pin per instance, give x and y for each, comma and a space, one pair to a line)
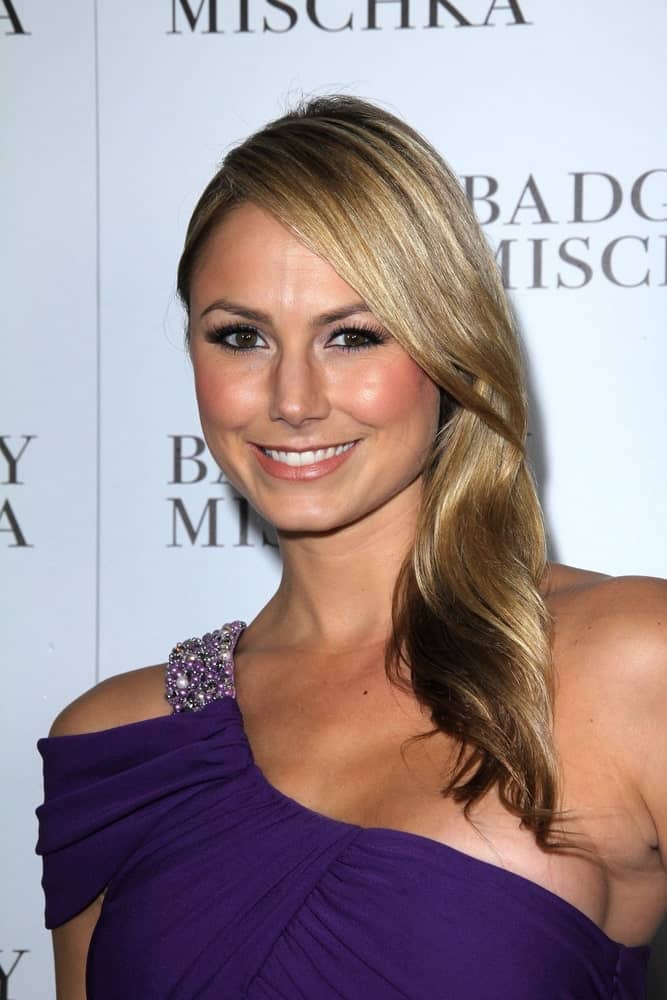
299, 458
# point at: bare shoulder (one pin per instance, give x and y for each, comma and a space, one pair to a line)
610, 659
117, 701
622, 620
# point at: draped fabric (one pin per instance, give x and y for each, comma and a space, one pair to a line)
219, 886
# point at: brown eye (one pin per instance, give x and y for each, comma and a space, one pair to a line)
236, 338
244, 338
352, 338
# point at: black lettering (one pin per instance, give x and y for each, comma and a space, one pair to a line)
286, 9
12, 459
616, 196
14, 528
180, 459
209, 518
243, 19
537, 263
372, 14
537, 203
636, 197
12, 16
192, 18
311, 11
472, 196
267, 540
244, 520
513, 6
566, 256
503, 259
434, 21
608, 259
4, 976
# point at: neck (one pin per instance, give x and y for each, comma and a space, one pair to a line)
336, 589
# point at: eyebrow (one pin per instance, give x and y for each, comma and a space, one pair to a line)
257, 316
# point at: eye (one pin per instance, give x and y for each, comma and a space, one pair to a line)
236, 337
356, 338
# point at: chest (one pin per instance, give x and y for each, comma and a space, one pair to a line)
358, 752
311, 908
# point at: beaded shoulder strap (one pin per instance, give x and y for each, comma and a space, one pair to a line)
202, 670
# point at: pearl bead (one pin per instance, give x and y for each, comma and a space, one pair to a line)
202, 670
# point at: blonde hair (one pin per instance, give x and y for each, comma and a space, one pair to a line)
368, 194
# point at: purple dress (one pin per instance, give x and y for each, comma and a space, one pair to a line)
219, 886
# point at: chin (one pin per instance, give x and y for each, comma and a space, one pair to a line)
307, 521
306, 524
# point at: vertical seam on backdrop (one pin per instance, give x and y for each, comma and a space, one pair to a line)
98, 367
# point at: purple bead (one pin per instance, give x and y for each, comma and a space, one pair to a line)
202, 670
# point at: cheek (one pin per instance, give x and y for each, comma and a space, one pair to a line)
399, 393
224, 402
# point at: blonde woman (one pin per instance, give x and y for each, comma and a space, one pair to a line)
433, 766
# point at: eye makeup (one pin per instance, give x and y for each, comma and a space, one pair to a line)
366, 336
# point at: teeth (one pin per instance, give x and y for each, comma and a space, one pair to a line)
307, 457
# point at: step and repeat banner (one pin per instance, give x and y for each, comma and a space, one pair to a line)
118, 536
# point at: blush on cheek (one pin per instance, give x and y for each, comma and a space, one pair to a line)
208, 392
225, 402
396, 391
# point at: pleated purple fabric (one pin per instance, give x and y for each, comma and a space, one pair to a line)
219, 886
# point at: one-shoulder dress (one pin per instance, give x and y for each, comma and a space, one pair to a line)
220, 887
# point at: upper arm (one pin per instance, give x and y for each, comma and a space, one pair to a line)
117, 701
71, 942
647, 726
627, 639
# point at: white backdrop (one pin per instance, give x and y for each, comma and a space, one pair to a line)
115, 116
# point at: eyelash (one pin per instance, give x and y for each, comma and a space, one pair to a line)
219, 335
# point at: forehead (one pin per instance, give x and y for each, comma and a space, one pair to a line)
250, 256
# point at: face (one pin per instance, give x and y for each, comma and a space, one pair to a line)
313, 411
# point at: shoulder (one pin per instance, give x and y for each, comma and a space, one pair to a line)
621, 620
609, 631
610, 656
117, 701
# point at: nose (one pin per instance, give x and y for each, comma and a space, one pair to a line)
298, 389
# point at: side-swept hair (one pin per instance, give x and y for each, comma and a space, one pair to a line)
367, 193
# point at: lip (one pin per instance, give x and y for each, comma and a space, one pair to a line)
317, 446
279, 470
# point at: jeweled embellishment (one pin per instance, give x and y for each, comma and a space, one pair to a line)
202, 670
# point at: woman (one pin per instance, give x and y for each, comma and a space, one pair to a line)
432, 765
